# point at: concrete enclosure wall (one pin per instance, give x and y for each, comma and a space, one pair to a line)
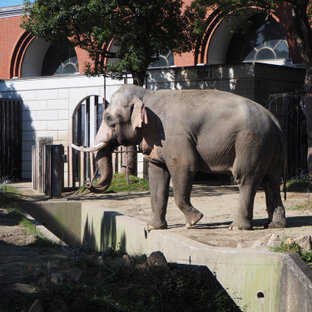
256, 280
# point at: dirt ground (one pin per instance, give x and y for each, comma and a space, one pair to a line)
22, 267
218, 204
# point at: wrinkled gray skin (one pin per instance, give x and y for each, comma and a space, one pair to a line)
182, 132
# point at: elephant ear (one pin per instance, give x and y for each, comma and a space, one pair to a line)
139, 115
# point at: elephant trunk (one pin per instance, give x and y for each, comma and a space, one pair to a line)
104, 162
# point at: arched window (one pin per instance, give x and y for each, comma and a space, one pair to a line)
59, 60
262, 40
165, 60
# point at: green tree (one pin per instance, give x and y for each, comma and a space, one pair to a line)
299, 31
141, 30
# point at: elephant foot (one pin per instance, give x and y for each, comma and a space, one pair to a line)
193, 218
277, 224
156, 226
278, 220
241, 226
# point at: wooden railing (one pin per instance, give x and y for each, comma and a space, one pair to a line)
82, 166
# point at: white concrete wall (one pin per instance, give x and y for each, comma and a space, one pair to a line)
48, 106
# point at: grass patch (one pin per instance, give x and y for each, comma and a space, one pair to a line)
8, 196
305, 255
30, 229
298, 185
8, 201
304, 206
119, 184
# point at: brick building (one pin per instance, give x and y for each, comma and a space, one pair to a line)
48, 79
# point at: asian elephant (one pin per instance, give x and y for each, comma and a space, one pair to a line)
182, 132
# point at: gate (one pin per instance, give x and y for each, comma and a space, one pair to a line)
10, 142
87, 119
290, 111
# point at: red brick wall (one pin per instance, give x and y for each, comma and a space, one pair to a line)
10, 31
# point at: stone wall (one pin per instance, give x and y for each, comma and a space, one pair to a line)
255, 81
47, 107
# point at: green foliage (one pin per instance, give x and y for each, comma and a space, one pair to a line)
304, 206
298, 185
138, 287
8, 200
141, 29
7, 196
225, 7
119, 184
305, 255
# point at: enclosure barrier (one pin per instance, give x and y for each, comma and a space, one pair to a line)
10, 139
48, 167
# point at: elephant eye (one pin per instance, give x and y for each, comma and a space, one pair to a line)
109, 120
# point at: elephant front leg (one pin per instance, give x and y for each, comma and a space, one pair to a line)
159, 189
182, 187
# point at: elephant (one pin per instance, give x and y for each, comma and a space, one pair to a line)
181, 132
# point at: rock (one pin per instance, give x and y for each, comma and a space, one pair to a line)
304, 241
258, 244
75, 274
36, 306
127, 261
58, 305
274, 241
37, 272
109, 252
57, 278
289, 241
99, 276
241, 245
42, 281
157, 258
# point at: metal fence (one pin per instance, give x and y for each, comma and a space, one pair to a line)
290, 111
10, 139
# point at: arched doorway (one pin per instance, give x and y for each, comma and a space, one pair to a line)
86, 120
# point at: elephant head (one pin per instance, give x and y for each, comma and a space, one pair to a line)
122, 124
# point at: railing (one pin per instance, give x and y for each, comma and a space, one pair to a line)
82, 166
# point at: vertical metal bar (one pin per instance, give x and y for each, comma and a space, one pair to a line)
82, 171
87, 138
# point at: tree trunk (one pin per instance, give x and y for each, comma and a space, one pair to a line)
129, 160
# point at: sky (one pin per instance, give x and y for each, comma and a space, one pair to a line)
5, 3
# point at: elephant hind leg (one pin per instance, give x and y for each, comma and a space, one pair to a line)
275, 208
244, 212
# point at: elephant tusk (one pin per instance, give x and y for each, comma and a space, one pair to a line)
89, 149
